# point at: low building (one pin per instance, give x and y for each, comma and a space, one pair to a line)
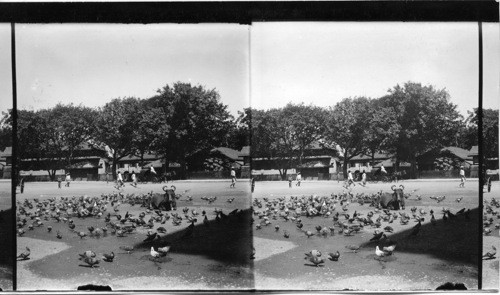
445, 163
6, 163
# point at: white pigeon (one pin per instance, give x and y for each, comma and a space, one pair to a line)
154, 253
379, 252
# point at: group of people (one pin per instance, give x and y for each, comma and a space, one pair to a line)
67, 179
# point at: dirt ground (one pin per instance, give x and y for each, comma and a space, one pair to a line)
447, 252
214, 257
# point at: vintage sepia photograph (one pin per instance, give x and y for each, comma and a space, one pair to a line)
6, 213
365, 156
134, 157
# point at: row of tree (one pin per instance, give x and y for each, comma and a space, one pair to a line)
407, 122
181, 123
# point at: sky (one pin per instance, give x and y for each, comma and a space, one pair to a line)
266, 65
5, 68
91, 64
321, 63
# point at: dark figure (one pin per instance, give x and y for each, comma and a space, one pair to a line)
253, 184
22, 185
289, 181
59, 181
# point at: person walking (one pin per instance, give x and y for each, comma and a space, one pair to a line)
298, 179
350, 179
462, 177
59, 181
68, 179
119, 179
233, 178
290, 180
253, 183
363, 178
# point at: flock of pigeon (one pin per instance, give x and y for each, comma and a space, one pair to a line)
105, 210
339, 212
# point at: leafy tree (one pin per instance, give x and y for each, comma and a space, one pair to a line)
240, 134
5, 130
347, 127
194, 121
149, 129
427, 118
382, 129
490, 131
38, 141
116, 123
74, 125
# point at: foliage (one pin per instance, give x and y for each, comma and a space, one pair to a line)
347, 127
427, 117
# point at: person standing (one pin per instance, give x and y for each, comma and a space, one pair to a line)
233, 178
462, 177
298, 179
59, 180
363, 178
290, 179
134, 179
22, 184
253, 184
68, 179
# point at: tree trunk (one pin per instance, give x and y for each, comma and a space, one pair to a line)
344, 168
113, 166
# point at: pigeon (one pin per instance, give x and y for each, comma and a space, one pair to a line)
334, 256
59, 236
316, 260
108, 257
150, 237
353, 248
491, 254
313, 253
389, 249
24, 255
379, 252
87, 254
309, 233
164, 250
377, 236
91, 261
286, 234
153, 253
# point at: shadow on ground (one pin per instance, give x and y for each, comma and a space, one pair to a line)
455, 240
228, 240
7, 256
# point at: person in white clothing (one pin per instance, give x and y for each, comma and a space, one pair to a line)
350, 179
134, 179
233, 178
119, 179
68, 179
462, 177
363, 178
299, 179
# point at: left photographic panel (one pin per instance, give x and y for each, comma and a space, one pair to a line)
6, 211
133, 157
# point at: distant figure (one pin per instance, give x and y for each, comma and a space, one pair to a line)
107, 177
290, 181
253, 184
233, 178
350, 179
489, 183
152, 170
134, 179
383, 171
363, 178
68, 179
298, 179
119, 179
462, 177
59, 181
21, 183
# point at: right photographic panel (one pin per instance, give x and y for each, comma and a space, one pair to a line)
365, 161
